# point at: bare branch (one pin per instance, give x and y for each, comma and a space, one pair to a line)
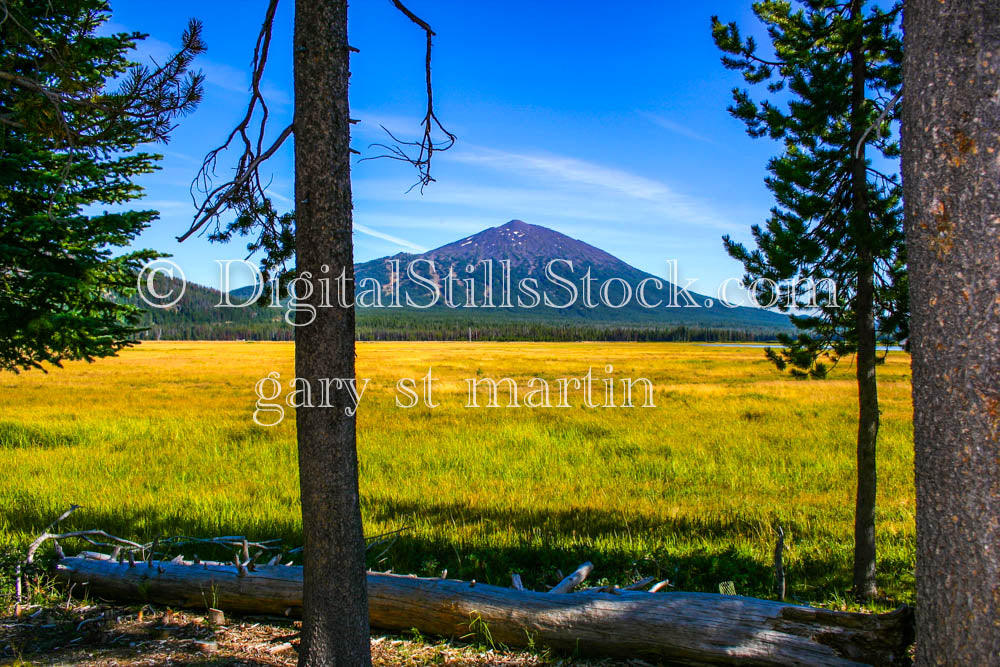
244, 190
878, 121
222, 196
85, 534
123, 548
425, 146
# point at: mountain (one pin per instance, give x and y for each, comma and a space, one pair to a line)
525, 244
515, 267
504, 258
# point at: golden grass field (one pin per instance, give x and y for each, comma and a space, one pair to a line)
160, 440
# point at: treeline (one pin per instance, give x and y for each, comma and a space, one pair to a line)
217, 331
197, 317
439, 331
537, 331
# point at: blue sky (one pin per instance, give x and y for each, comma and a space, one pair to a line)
605, 121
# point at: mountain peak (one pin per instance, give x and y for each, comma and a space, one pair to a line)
523, 251
515, 224
519, 241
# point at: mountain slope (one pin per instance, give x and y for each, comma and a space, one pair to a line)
529, 249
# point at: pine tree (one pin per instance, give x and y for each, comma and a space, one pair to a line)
67, 142
833, 82
317, 234
334, 591
951, 176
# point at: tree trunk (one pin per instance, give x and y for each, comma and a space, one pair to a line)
951, 179
868, 416
335, 606
679, 628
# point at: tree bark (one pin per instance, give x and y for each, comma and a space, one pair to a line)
680, 628
335, 606
868, 413
951, 181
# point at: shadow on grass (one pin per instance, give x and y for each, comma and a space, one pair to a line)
591, 521
14, 435
695, 554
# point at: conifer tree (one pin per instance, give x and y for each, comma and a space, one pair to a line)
317, 235
833, 82
951, 178
73, 109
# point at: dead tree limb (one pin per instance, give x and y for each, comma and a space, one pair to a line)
641, 584
779, 568
573, 580
425, 146
244, 189
691, 628
659, 586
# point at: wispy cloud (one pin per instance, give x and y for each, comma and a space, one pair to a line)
280, 197
237, 80
180, 156
364, 229
164, 204
453, 225
677, 128
497, 203
547, 169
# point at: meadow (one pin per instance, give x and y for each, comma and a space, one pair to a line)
161, 441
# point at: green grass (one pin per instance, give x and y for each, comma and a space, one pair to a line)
160, 441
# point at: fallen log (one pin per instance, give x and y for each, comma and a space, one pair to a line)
686, 628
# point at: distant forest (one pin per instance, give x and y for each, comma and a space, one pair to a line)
196, 317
